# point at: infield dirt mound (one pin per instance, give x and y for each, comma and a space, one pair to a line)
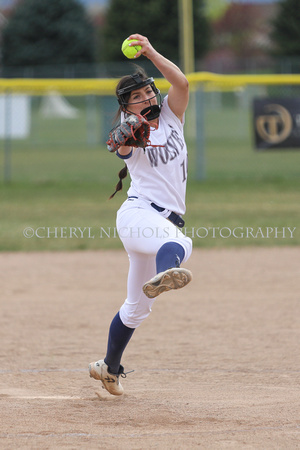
216, 365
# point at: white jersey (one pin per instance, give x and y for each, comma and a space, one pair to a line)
159, 173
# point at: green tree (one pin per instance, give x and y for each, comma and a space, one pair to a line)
286, 29
156, 19
46, 32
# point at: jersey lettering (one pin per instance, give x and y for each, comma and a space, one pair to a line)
152, 156
168, 152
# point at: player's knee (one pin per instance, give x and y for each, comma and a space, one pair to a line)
188, 247
133, 320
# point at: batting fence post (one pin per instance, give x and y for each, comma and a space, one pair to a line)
90, 119
7, 136
200, 138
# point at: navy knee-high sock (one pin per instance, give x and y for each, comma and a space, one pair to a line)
169, 255
118, 338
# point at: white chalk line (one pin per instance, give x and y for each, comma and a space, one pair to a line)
157, 434
9, 372
42, 397
197, 370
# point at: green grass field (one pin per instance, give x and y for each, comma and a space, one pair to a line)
214, 208
60, 185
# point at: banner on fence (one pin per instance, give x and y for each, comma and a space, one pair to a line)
276, 123
14, 116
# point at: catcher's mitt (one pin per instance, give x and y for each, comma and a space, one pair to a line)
133, 132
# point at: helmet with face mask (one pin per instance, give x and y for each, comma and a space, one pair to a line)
135, 82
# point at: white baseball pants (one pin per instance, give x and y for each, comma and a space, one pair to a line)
143, 230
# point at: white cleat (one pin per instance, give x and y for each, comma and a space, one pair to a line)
175, 278
99, 371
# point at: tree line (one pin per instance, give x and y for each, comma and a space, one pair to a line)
43, 32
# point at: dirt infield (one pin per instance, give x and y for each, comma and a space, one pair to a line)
216, 365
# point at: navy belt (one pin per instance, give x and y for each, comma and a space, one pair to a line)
173, 217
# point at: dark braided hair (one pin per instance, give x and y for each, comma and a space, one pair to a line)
122, 174
124, 82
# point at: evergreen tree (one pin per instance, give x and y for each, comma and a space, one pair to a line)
45, 32
156, 19
286, 29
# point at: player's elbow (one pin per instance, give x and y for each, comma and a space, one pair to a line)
185, 84
184, 91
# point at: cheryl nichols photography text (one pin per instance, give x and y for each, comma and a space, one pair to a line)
201, 232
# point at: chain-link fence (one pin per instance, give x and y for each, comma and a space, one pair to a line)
56, 134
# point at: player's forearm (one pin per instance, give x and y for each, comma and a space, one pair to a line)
124, 150
169, 70
178, 94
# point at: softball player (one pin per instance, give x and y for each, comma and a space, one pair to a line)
149, 221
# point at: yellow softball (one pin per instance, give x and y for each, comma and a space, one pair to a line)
130, 52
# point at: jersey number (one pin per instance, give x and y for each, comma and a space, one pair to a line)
184, 170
